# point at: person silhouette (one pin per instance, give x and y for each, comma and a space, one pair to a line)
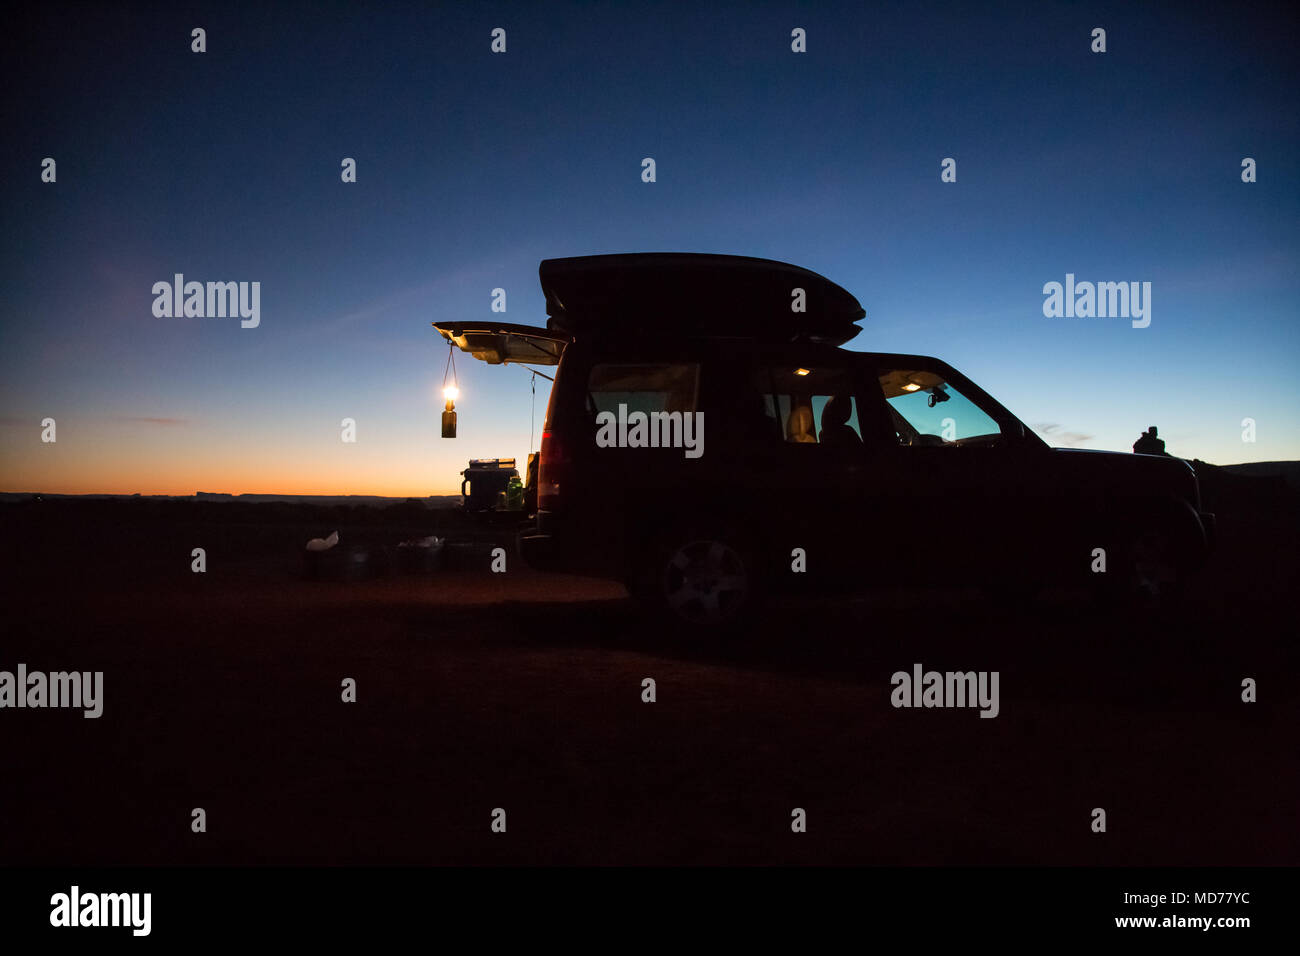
1149, 444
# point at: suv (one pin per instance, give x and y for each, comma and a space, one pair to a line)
708, 441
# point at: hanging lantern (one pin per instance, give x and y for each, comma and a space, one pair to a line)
450, 393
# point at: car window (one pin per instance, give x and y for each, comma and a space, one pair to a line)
649, 387
926, 410
814, 406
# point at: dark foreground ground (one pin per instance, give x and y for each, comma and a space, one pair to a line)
521, 691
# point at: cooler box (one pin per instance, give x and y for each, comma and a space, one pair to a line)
484, 481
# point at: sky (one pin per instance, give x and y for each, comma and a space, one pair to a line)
473, 166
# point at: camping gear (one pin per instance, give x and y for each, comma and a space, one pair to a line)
323, 544
420, 554
354, 562
450, 392
514, 494
484, 481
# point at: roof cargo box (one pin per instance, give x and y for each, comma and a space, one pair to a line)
714, 295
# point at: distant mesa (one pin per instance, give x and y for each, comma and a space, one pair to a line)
1287, 471
374, 501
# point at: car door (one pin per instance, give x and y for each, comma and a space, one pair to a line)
965, 508
805, 459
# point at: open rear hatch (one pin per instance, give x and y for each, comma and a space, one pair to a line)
499, 343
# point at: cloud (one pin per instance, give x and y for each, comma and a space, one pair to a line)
1056, 436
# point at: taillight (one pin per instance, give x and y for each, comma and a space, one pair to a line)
552, 471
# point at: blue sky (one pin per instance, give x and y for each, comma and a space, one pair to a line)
472, 167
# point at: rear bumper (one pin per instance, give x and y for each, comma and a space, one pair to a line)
562, 546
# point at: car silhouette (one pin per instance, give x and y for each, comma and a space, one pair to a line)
710, 442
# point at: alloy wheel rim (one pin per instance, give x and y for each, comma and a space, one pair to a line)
705, 580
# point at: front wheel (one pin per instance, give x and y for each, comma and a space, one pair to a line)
1150, 570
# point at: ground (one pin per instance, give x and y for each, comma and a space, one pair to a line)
523, 691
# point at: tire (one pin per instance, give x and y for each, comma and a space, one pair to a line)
1150, 570
700, 583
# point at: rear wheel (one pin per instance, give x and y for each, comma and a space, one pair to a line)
703, 582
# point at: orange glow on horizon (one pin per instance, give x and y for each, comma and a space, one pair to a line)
128, 462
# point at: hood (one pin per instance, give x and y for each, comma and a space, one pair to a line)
1152, 471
